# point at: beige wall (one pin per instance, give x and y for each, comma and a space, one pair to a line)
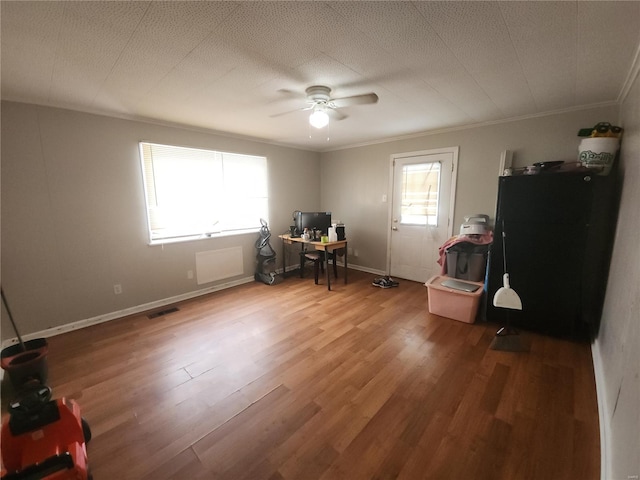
73, 214
354, 180
617, 348
73, 221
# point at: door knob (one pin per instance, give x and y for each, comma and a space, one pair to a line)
394, 228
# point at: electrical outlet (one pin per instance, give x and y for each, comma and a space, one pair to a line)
355, 252
189, 274
117, 289
384, 198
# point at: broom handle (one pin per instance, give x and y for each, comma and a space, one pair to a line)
504, 262
504, 249
6, 305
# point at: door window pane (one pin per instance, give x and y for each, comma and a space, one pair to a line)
420, 194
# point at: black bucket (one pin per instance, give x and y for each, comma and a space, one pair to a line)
30, 364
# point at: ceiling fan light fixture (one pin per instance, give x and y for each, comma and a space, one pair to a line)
319, 118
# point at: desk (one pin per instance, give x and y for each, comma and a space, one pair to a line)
323, 247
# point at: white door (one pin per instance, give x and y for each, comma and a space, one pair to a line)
421, 211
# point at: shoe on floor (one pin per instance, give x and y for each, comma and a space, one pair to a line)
385, 282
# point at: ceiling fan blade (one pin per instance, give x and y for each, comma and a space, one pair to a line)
364, 99
290, 111
335, 114
285, 92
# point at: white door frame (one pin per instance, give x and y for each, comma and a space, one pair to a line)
452, 199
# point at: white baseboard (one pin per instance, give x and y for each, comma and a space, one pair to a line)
602, 412
365, 269
87, 322
341, 264
50, 332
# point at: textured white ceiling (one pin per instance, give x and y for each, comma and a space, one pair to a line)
230, 66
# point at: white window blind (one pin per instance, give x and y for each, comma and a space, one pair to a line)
195, 192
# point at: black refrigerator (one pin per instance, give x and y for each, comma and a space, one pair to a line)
559, 231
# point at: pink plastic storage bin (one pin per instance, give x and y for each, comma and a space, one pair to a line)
451, 303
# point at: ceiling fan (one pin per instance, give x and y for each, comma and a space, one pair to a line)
323, 106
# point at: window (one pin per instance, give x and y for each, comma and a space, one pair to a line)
192, 192
420, 185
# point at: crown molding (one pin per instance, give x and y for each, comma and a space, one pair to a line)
631, 77
469, 126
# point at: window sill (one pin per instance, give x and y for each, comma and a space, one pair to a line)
202, 236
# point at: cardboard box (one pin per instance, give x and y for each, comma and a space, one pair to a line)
452, 303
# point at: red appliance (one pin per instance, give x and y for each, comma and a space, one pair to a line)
44, 438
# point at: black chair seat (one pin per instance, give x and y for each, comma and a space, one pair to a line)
318, 262
317, 257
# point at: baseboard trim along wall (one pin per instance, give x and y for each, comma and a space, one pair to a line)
374, 271
87, 322
602, 411
364, 269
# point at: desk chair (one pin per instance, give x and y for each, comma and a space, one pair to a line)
318, 262
338, 252
317, 257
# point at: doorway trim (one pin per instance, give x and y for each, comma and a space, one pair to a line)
452, 198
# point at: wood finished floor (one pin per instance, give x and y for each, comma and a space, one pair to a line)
293, 382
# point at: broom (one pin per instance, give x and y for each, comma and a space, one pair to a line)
6, 306
507, 338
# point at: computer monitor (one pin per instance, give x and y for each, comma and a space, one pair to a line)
318, 220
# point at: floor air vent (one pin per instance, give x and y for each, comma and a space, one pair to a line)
163, 312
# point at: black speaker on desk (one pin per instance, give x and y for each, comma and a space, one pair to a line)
340, 232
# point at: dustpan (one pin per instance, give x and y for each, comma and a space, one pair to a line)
507, 338
506, 297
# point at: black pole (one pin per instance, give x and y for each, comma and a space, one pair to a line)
6, 305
